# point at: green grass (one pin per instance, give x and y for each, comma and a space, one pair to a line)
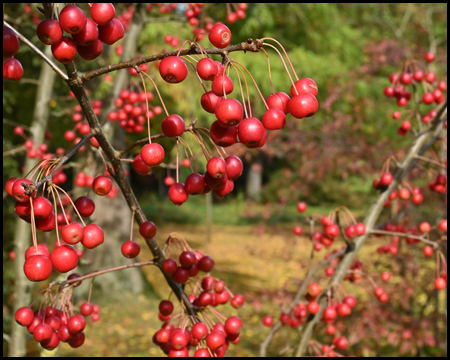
232, 212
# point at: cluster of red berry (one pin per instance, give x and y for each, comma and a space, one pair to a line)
433, 90
230, 127
133, 111
81, 125
201, 24
209, 338
40, 212
331, 231
50, 325
88, 35
300, 312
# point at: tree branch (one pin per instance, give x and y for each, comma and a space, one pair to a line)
250, 45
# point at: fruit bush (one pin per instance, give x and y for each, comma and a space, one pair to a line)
93, 152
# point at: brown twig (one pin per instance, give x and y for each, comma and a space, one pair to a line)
252, 46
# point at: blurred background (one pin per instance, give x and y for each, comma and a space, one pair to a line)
327, 160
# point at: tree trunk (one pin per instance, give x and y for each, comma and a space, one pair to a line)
254, 179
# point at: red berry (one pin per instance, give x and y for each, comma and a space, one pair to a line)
173, 69
209, 101
152, 154
65, 51
111, 32
187, 259
251, 131
42, 332
440, 283
93, 236
72, 19
173, 126
223, 136
303, 105
278, 100
49, 32
181, 275
102, 13
274, 119
87, 36
76, 324
102, 185
72, 233
10, 43
222, 84
37, 268
207, 69
233, 325
91, 52
304, 86
86, 309
220, 36
297, 230
215, 340
216, 167
386, 179
18, 191
24, 316
267, 321
178, 194
229, 112
141, 167
130, 249
332, 231
206, 264
85, 206
64, 258
12, 70
234, 167
429, 57
313, 307
42, 207
406, 78
147, 230
170, 266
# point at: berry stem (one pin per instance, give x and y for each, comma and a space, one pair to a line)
196, 72
206, 132
101, 272
74, 207
242, 92
285, 53
284, 63
186, 145
33, 224
182, 45
254, 81
177, 162
270, 73
146, 102
156, 88
56, 214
